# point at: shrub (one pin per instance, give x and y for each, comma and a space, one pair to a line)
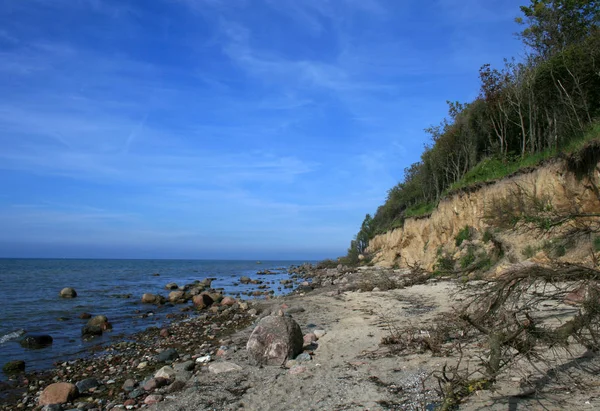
464, 234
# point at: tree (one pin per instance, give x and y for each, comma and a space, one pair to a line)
552, 25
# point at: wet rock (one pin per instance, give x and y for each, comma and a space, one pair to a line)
222, 367
171, 286
275, 340
68, 292
202, 301
148, 298
89, 331
58, 393
100, 321
169, 354
87, 385
14, 367
85, 316
245, 280
177, 296
36, 341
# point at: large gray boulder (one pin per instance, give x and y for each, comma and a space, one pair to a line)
275, 340
68, 292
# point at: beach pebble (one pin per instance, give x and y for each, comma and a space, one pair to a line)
221, 367
154, 383
298, 369
129, 384
153, 399
204, 359
87, 384
169, 354
303, 357
319, 333
166, 372
309, 338
68, 292
58, 393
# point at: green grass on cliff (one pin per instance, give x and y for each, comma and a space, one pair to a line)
494, 169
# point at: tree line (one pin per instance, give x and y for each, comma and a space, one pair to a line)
523, 108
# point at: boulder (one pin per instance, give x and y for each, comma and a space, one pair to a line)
36, 341
202, 301
88, 331
58, 393
309, 338
275, 340
171, 286
99, 321
14, 367
245, 280
176, 296
85, 316
148, 298
68, 292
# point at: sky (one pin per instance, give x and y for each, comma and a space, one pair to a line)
223, 129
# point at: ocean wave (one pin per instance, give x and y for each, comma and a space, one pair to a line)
11, 336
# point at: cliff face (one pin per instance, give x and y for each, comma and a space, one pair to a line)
422, 240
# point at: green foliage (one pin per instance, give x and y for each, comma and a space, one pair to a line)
468, 259
487, 236
597, 244
444, 263
420, 210
327, 263
463, 235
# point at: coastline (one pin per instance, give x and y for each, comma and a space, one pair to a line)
349, 367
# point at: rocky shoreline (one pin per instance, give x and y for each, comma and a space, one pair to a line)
120, 375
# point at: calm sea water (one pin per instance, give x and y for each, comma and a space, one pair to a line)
30, 302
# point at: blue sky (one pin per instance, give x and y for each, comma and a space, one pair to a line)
222, 128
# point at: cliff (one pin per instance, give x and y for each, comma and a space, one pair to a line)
568, 185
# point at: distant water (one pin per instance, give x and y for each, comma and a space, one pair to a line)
30, 302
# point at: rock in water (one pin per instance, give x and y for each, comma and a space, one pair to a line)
176, 296
68, 292
14, 367
36, 341
275, 340
202, 301
148, 298
100, 321
58, 393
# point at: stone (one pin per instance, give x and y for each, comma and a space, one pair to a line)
221, 367
309, 338
68, 292
169, 354
576, 297
298, 369
87, 384
204, 359
171, 286
100, 321
245, 280
165, 332
88, 331
149, 298
52, 407
177, 385
154, 383
295, 310
229, 301
138, 392
184, 366
166, 372
36, 341
129, 385
14, 367
85, 316
304, 357
58, 393
274, 340
176, 296
202, 301
319, 333
153, 399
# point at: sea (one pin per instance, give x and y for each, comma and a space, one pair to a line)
30, 302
